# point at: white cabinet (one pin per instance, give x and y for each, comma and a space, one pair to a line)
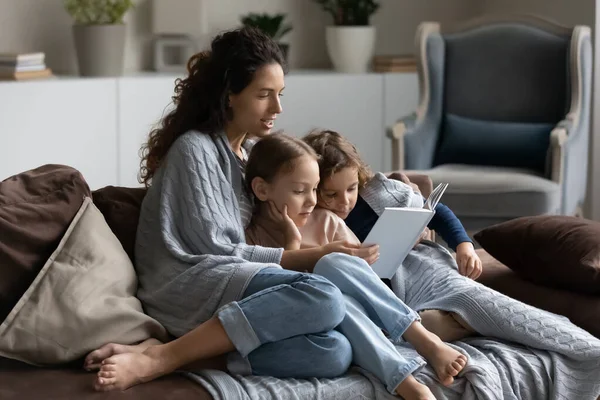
142, 103
99, 125
70, 121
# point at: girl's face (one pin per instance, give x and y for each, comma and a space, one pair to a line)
296, 188
256, 107
340, 192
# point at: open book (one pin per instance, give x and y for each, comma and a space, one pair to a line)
397, 231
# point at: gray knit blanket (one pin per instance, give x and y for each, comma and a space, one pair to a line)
523, 353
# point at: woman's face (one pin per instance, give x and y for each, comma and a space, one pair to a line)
256, 107
339, 192
297, 189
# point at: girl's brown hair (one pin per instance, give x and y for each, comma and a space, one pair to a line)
336, 153
201, 99
274, 154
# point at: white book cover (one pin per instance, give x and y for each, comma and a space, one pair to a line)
397, 231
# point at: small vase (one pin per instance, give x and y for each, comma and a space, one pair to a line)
100, 49
350, 48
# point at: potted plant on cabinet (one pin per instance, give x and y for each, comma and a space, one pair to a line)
272, 25
351, 39
99, 35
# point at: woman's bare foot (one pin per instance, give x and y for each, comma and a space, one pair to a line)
121, 371
411, 389
446, 361
94, 359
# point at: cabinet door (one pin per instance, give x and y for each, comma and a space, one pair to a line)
349, 104
63, 121
142, 103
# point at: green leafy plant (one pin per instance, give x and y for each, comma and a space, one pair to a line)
271, 25
98, 12
350, 12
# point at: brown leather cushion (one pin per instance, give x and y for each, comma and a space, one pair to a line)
555, 251
121, 209
36, 208
582, 310
21, 381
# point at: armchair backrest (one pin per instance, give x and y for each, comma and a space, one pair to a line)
505, 86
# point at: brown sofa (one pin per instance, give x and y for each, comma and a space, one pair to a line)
120, 206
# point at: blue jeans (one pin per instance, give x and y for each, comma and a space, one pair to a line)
370, 308
284, 327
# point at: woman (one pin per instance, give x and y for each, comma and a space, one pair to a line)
196, 274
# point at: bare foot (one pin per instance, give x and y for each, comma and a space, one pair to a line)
94, 359
446, 361
411, 389
446, 325
121, 371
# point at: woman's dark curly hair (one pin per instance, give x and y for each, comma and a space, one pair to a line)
201, 99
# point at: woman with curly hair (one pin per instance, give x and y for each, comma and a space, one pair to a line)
197, 276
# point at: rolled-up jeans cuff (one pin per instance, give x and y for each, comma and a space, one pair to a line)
238, 365
403, 373
402, 326
238, 328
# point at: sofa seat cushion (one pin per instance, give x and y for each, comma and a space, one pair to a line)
495, 192
36, 208
25, 382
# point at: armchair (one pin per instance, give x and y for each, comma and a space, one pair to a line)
503, 118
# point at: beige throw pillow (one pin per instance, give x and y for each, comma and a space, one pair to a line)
83, 297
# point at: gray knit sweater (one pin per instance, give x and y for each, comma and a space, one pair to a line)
191, 255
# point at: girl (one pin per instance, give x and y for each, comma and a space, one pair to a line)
283, 174
353, 193
347, 187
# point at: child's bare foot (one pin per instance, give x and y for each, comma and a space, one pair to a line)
121, 371
411, 389
446, 325
446, 361
94, 359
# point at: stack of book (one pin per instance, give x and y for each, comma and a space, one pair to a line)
394, 63
23, 66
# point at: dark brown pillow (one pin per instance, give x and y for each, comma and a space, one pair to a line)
36, 208
121, 209
556, 251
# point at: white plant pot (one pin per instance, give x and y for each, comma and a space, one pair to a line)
350, 48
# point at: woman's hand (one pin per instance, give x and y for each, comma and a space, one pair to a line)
468, 261
369, 254
291, 233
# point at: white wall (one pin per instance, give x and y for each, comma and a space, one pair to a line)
566, 12
43, 25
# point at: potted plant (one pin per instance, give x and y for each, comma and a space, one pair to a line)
351, 39
272, 25
99, 35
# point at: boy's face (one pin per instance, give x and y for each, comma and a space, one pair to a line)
297, 189
340, 192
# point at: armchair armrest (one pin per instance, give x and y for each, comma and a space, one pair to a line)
569, 140
414, 141
414, 138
